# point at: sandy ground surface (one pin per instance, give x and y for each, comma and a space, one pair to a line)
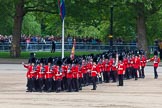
144, 93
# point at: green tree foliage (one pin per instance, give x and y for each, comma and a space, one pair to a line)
84, 18
6, 17
31, 26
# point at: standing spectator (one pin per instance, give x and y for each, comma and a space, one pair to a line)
27, 44
70, 41
53, 46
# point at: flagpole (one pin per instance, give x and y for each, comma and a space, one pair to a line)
63, 38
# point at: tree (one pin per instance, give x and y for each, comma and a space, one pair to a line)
143, 8
30, 25
22, 7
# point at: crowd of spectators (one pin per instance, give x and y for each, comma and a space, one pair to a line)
49, 39
5, 39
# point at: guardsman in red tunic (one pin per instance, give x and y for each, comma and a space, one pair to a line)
125, 61
99, 72
40, 76
48, 77
103, 65
31, 77
121, 70
84, 71
107, 71
75, 70
156, 61
89, 67
69, 77
132, 66
143, 64
102, 70
113, 67
139, 69
64, 79
136, 66
94, 75
57, 76
80, 73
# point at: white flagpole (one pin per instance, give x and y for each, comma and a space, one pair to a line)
63, 39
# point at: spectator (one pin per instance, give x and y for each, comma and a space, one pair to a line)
27, 44
53, 46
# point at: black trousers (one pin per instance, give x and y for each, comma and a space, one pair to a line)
155, 73
86, 78
69, 84
49, 82
140, 73
76, 84
40, 84
113, 75
80, 83
104, 76
31, 84
94, 78
132, 72
107, 77
127, 73
64, 83
135, 74
143, 73
120, 78
53, 49
58, 85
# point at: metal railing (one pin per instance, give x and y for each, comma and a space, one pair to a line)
79, 46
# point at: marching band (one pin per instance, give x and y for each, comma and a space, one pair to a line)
56, 74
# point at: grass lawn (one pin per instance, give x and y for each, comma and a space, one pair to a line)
25, 55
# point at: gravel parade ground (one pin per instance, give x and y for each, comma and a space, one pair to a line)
143, 93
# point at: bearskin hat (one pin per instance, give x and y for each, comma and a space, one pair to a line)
155, 52
50, 60
59, 62
32, 60
95, 59
120, 57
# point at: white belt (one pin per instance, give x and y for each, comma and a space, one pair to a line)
41, 73
48, 72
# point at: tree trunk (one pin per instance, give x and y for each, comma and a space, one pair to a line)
18, 18
141, 29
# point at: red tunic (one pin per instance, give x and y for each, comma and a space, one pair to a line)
64, 70
156, 61
125, 61
84, 69
30, 73
121, 68
112, 64
98, 68
69, 73
89, 67
107, 67
57, 73
80, 74
48, 72
132, 62
75, 70
136, 62
94, 71
143, 61
40, 73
